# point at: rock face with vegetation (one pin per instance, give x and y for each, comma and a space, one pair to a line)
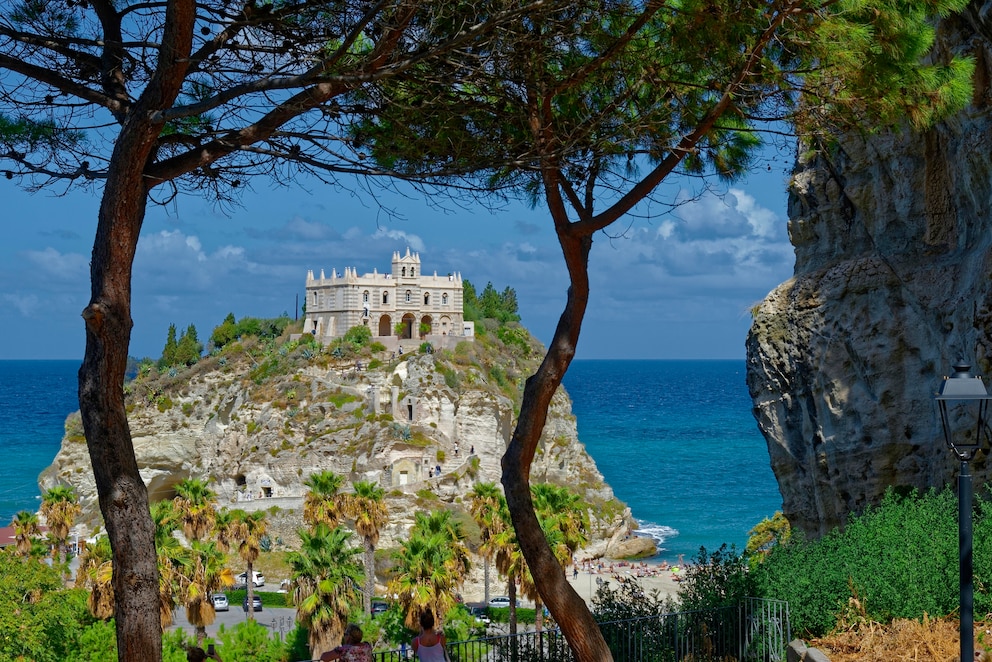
892, 285
257, 418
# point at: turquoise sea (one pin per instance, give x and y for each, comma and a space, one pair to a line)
35, 398
674, 439
677, 442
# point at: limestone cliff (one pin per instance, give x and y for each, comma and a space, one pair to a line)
891, 285
256, 420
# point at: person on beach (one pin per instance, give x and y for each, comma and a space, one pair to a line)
353, 649
428, 646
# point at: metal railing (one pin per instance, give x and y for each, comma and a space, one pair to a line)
756, 630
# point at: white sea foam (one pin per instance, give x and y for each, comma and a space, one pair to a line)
659, 532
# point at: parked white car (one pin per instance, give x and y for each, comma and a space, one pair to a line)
257, 578
500, 601
220, 602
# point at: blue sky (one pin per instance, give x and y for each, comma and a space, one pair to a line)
675, 286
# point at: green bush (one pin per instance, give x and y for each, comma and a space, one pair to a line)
74, 428
718, 580
899, 560
502, 614
358, 336
515, 337
269, 598
249, 641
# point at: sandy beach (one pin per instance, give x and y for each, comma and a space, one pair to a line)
586, 582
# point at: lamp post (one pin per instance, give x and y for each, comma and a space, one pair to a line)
962, 397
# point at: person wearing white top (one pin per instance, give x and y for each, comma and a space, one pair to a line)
429, 645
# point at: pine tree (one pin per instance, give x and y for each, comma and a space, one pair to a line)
189, 348
170, 349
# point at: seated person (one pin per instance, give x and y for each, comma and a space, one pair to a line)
353, 649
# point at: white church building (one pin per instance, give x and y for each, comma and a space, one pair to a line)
429, 308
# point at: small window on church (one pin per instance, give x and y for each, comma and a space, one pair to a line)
365, 296
444, 299
408, 296
404, 271
413, 271
385, 298
427, 299
315, 298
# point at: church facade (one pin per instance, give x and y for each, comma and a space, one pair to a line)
401, 304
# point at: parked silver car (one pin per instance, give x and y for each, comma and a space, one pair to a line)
220, 602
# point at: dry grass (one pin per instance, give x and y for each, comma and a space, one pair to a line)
930, 640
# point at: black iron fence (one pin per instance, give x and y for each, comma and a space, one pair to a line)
756, 630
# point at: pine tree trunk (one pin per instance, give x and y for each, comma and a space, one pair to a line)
571, 612
123, 497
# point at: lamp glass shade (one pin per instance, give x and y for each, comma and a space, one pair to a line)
967, 396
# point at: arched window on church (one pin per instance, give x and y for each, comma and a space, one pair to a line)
444, 299
315, 298
385, 298
427, 298
408, 295
413, 271
404, 271
365, 296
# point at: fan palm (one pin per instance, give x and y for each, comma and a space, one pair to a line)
96, 572
202, 571
168, 556
195, 508
247, 530
431, 566
26, 529
326, 578
322, 502
488, 508
367, 507
59, 506
224, 529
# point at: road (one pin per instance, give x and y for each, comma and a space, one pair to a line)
275, 619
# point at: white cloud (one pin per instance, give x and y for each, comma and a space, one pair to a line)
67, 267
26, 304
413, 241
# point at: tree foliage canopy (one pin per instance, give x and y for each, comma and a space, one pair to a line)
261, 88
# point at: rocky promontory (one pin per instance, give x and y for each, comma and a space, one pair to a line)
892, 287
255, 420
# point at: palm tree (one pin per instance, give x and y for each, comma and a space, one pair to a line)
561, 514
247, 531
202, 571
322, 503
486, 506
96, 572
224, 529
60, 507
326, 578
26, 529
564, 512
194, 505
367, 507
168, 555
431, 566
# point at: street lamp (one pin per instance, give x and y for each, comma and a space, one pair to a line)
961, 399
